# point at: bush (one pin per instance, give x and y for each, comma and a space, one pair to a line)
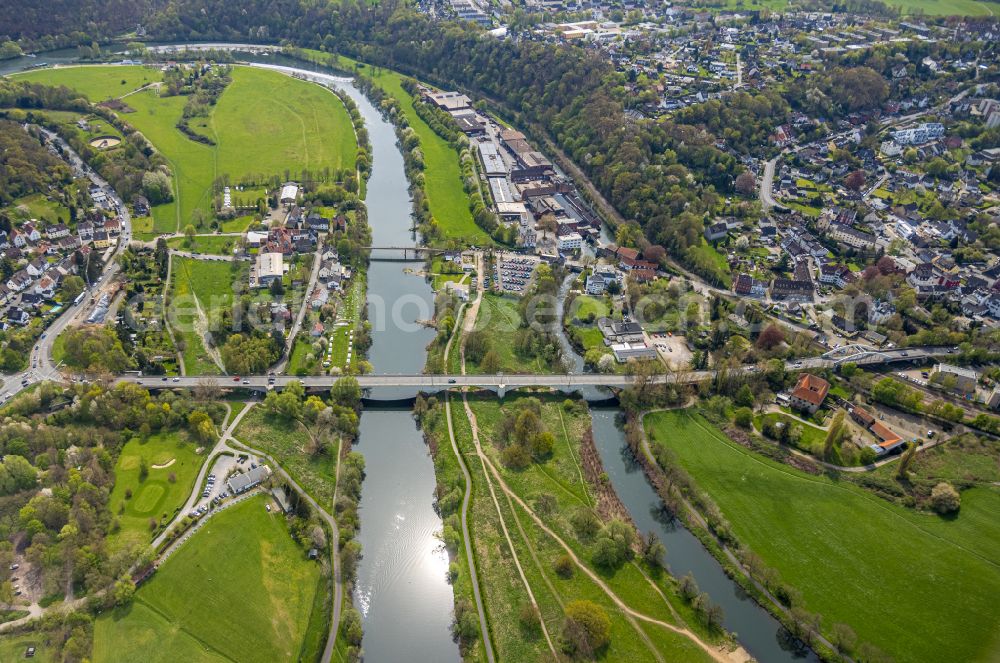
564, 566
945, 499
586, 631
743, 417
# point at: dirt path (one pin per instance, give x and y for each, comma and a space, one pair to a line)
166, 315
719, 654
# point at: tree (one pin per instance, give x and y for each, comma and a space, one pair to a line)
744, 396
124, 591
743, 417
653, 253
771, 337
346, 392
548, 224
614, 544
834, 436
189, 232
72, 286
903, 471
855, 180
586, 630
843, 637
491, 362
156, 186
143, 469
564, 566
653, 550
746, 183
277, 288
945, 499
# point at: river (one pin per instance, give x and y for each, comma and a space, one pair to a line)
401, 591
761, 634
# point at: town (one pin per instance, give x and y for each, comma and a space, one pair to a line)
478, 331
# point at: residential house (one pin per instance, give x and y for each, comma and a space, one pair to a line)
747, 286
791, 290
716, 231
18, 316
809, 393
56, 231
19, 280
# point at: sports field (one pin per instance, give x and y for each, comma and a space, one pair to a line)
239, 590
156, 497
265, 123
917, 586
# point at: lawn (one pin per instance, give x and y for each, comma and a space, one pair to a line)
12, 648
294, 126
711, 255
156, 497
587, 305
211, 244
811, 435
500, 318
285, 441
857, 559
40, 207
240, 589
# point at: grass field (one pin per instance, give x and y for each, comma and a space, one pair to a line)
240, 590
40, 207
561, 479
857, 559
264, 123
212, 244
442, 174
210, 284
500, 318
12, 648
285, 441
156, 497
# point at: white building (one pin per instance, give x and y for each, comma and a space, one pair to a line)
289, 193
569, 242
269, 266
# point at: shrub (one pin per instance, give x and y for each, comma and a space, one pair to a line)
945, 499
564, 566
586, 631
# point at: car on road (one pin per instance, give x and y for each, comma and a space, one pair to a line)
177, 380
451, 381
904, 354
236, 379
15, 567
164, 379
246, 382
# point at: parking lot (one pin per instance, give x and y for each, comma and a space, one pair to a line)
215, 491
513, 273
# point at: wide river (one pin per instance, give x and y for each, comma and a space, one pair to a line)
402, 591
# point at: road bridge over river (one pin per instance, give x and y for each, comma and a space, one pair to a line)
501, 382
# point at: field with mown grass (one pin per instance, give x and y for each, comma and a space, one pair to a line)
239, 590
199, 288
918, 586
156, 497
263, 124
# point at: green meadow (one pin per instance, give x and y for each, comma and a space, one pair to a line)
264, 124
156, 497
239, 590
917, 586
199, 290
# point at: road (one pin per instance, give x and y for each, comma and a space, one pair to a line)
867, 357
41, 367
300, 316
